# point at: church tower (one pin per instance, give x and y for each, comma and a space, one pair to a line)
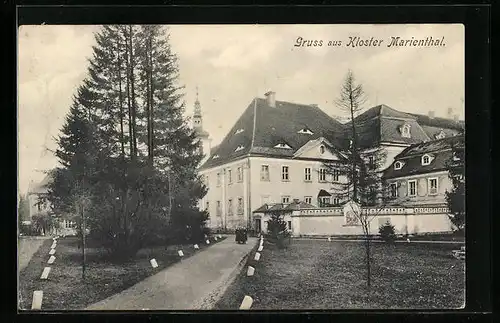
202, 135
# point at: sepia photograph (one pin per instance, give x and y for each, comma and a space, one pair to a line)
241, 167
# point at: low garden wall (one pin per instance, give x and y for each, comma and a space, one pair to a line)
407, 220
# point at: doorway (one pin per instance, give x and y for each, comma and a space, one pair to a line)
257, 225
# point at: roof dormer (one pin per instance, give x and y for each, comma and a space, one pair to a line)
440, 135
215, 157
405, 130
283, 145
239, 131
426, 159
398, 165
240, 147
305, 131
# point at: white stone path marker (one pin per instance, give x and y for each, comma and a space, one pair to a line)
45, 273
51, 260
52, 251
208, 241
196, 247
247, 303
36, 304
153, 262
260, 248
257, 256
181, 254
53, 246
220, 237
250, 271
215, 238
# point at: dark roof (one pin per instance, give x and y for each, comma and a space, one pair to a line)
438, 122
274, 125
299, 205
382, 124
323, 193
440, 149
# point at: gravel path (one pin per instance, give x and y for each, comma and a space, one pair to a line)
194, 283
27, 246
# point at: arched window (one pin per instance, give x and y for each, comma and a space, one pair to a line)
426, 160
322, 149
398, 165
405, 130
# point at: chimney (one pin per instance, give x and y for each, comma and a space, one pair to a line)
296, 200
271, 99
431, 114
314, 105
450, 113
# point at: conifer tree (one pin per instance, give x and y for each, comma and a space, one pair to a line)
361, 166
126, 146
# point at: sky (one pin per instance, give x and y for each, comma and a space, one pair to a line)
232, 64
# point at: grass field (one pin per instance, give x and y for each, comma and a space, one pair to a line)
65, 290
319, 274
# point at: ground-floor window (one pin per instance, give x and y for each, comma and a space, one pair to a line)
289, 225
324, 201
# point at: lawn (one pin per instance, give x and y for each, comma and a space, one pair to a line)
317, 274
64, 288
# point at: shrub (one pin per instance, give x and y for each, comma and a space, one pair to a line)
387, 232
277, 230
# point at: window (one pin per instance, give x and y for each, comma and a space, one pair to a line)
290, 225
207, 205
371, 162
412, 188
264, 173
322, 150
393, 190
405, 131
218, 179
240, 174
283, 145
218, 211
284, 173
207, 181
398, 165
324, 201
307, 174
264, 199
229, 176
230, 207
335, 175
322, 175
308, 199
433, 186
336, 201
426, 160
240, 205
285, 199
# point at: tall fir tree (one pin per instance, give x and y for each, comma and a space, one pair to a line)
126, 146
